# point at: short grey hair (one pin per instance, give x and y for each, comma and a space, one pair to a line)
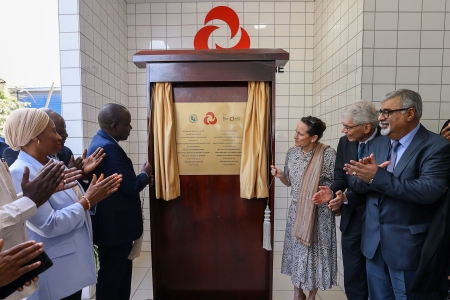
408, 99
361, 112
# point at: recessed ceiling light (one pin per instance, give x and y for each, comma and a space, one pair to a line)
260, 26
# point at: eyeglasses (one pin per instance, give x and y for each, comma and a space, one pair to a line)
387, 112
349, 128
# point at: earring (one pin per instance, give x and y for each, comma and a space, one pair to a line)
312, 141
38, 142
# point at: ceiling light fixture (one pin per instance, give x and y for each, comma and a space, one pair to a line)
260, 26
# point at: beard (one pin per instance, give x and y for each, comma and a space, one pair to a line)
387, 130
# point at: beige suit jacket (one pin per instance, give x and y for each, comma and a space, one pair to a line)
14, 211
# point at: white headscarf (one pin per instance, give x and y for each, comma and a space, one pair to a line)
22, 125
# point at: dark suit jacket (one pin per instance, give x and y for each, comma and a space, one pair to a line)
433, 269
118, 218
3, 146
401, 205
10, 156
347, 151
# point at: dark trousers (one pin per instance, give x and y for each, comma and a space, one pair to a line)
75, 296
114, 275
386, 283
355, 276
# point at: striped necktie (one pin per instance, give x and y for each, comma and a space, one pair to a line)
393, 156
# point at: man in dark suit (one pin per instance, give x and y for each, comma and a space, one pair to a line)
359, 124
401, 198
118, 220
64, 155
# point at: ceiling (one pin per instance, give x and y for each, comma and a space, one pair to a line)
144, 1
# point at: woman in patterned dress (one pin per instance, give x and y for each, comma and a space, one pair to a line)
311, 265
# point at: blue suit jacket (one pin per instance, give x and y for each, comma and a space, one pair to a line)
401, 205
64, 227
118, 218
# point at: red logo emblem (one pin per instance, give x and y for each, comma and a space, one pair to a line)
210, 119
230, 17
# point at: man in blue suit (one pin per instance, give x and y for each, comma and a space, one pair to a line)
401, 198
118, 219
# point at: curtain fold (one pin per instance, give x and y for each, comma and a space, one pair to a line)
167, 180
253, 172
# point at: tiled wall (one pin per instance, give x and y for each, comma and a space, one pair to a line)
406, 45
93, 46
338, 36
94, 63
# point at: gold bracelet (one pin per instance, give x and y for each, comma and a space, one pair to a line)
87, 200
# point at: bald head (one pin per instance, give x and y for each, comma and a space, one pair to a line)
59, 121
115, 119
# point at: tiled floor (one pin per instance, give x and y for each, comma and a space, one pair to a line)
142, 288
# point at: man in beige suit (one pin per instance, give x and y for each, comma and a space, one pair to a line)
16, 209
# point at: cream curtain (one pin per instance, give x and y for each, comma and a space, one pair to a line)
253, 175
167, 180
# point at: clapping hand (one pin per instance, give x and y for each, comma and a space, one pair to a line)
323, 195
335, 203
364, 169
102, 187
13, 261
87, 164
50, 179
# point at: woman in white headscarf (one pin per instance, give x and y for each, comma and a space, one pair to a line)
63, 223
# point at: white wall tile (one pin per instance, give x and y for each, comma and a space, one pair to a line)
433, 5
432, 39
68, 23
407, 75
70, 59
408, 57
431, 57
68, 6
410, 21
143, 31
384, 75
410, 5
369, 5
143, 19
158, 8
430, 75
70, 94
173, 8
70, 76
433, 21
386, 39
386, 21
408, 39
387, 5
143, 8
446, 57
69, 41
385, 57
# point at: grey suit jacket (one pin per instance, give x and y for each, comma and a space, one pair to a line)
401, 205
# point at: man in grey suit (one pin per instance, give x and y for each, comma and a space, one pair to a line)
401, 198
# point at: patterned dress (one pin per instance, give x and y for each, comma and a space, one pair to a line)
315, 266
